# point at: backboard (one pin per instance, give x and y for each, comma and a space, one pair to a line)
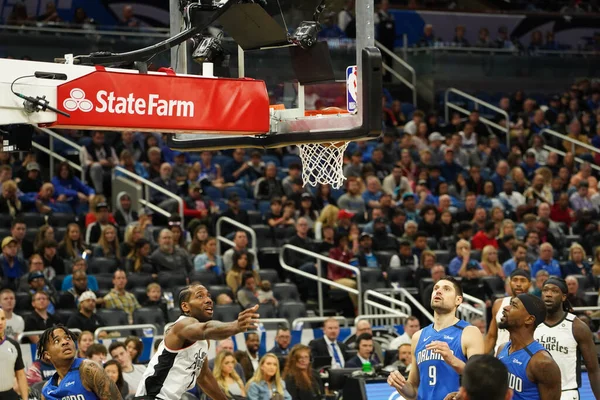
350, 80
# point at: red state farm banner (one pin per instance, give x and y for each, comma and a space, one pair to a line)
170, 103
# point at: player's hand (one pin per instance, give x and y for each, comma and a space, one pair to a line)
442, 349
396, 380
453, 396
248, 319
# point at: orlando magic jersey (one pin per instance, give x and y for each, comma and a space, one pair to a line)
70, 387
436, 377
171, 373
561, 344
516, 363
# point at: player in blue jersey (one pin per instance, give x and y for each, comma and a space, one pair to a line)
441, 349
532, 373
75, 378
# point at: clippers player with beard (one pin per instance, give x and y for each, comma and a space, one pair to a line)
440, 349
180, 361
566, 337
532, 373
520, 282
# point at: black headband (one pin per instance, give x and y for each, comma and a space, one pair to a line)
529, 301
520, 272
558, 282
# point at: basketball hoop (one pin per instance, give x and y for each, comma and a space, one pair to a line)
323, 163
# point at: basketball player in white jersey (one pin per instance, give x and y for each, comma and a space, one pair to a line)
180, 361
520, 282
566, 337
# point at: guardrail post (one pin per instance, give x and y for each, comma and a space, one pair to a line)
320, 288
51, 158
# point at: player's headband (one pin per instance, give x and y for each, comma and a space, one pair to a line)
562, 285
539, 312
520, 272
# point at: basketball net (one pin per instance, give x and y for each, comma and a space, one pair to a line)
323, 163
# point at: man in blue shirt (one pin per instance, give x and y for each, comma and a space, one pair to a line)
546, 262
458, 266
450, 169
13, 267
80, 265
519, 254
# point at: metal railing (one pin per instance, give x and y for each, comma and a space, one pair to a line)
98, 331
407, 297
319, 278
50, 151
397, 311
149, 185
23, 335
577, 159
412, 85
220, 238
574, 142
395, 317
466, 311
278, 321
478, 102
342, 320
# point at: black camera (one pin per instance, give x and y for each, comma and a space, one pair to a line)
306, 34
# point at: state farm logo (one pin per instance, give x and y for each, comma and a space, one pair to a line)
108, 102
77, 101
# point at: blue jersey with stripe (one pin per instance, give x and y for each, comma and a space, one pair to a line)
436, 377
70, 387
516, 363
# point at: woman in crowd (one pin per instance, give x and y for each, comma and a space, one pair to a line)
132, 234
108, 245
224, 372
446, 224
596, 265
85, 340
209, 260
46, 232
114, 372
242, 262
72, 247
578, 265
489, 262
134, 347
199, 240
9, 202
266, 384
138, 258
301, 381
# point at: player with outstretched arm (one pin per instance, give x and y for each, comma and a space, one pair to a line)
180, 361
440, 349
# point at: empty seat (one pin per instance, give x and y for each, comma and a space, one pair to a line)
384, 257
61, 219
227, 312
23, 301
591, 298
267, 310
248, 205
5, 220
174, 313
65, 301
139, 280
231, 190
59, 233
432, 243
584, 282
171, 279
206, 278
442, 257
150, 315
476, 255
285, 291
140, 294
292, 310
371, 278
212, 192
290, 159
255, 217
570, 239
113, 316
104, 281
63, 315
263, 235
269, 275
33, 220
403, 276
494, 283
102, 265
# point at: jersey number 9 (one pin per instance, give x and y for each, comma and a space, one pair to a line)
432, 375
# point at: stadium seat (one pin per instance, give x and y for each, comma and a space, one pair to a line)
140, 280
171, 279
227, 312
104, 281
150, 315
263, 236
290, 159
442, 257
432, 243
385, 256
591, 298
269, 275
584, 282
212, 192
285, 291
66, 301
403, 276
4, 232
30, 234
140, 293
174, 313
231, 190
268, 158
264, 206
33, 220
494, 283
221, 159
292, 310
23, 301
371, 278
63, 314
255, 217
59, 233
570, 239
61, 219
113, 316
206, 278
216, 290
57, 281
102, 265
5, 220
267, 310
248, 205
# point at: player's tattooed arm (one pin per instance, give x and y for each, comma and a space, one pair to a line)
95, 380
546, 374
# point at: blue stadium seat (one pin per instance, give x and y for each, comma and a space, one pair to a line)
290, 159
264, 206
240, 191
248, 205
212, 192
221, 159
268, 158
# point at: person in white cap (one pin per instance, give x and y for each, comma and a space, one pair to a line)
86, 319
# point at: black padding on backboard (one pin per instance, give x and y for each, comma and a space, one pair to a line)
370, 107
312, 65
252, 27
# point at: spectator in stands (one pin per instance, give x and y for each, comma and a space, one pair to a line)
352, 200
411, 326
578, 264
132, 373
329, 345
428, 39
124, 214
543, 228
77, 193
405, 257
108, 244
166, 182
167, 257
266, 382
450, 169
41, 318
249, 359
94, 230
119, 298
573, 296
269, 186
154, 163
306, 210
532, 240
511, 200
281, 219
484, 39
37, 283
459, 37
99, 158
72, 247
240, 244
301, 381
561, 212
365, 257
581, 200
247, 293
135, 347
242, 262
429, 222
546, 261
79, 264
18, 230
47, 202
154, 299
237, 170
329, 30
9, 201
13, 266
79, 285
379, 167
489, 262
226, 345
519, 254
373, 193
52, 261
355, 166
404, 360
381, 239
226, 374
86, 318
539, 191
32, 183
485, 237
115, 373
458, 266
363, 327
234, 212
283, 338
129, 144
15, 325
45, 232
129, 21
342, 252
346, 19
364, 344
209, 260
97, 352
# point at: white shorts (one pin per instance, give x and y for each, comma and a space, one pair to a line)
570, 395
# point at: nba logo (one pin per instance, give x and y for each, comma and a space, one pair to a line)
352, 89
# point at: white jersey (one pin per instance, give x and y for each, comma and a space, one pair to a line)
171, 373
560, 342
503, 335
